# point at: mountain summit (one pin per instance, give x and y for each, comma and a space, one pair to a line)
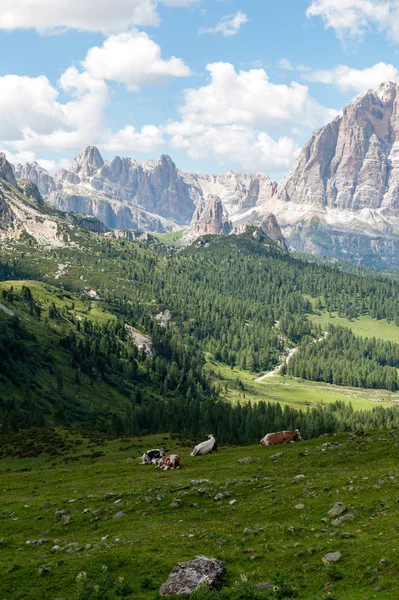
340, 199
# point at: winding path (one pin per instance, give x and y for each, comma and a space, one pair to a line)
277, 369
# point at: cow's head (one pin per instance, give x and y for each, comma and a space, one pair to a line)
263, 441
297, 435
163, 451
210, 436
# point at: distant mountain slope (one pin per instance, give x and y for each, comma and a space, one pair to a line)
152, 195
341, 198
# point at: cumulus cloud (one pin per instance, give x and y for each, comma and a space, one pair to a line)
49, 16
34, 119
252, 149
354, 18
249, 97
235, 116
133, 59
347, 79
228, 25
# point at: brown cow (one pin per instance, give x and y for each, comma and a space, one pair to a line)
170, 461
281, 437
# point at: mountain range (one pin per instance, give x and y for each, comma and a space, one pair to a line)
340, 199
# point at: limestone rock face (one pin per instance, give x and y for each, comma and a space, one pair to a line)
188, 576
341, 198
353, 162
155, 187
35, 173
210, 218
269, 228
238, 192
6, 171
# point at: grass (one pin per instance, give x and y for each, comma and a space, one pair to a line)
261, 533
171, 238
294, 392
362, 326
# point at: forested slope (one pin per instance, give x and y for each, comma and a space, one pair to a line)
235, 299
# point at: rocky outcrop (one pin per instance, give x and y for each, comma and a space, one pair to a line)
238, 192
210, 218
153, 194
345, 184
187, 577
7, 171
268, 228
352, 163
35, 173
23, 212
154, 187
265, 228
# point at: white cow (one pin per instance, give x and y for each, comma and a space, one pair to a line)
206, 447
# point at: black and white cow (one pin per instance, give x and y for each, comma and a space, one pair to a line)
152, 457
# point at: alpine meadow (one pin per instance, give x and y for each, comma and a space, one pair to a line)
199, 300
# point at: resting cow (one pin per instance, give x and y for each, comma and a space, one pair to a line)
206, 447
170, 461
281, 437
152, 457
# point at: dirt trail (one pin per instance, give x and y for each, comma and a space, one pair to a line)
278, 368
285, 361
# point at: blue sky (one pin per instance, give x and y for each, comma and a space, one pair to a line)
217, 84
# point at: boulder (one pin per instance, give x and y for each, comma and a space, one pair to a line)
337, 509
188, 576
331, 557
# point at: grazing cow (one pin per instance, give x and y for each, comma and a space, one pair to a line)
170, 461
206, 447
152, 457
281, 437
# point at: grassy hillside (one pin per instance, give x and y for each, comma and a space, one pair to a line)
362, 325
278, 522
237, 385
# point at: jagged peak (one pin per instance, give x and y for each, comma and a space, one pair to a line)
7, 171
89, 156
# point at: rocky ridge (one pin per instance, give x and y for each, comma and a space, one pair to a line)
340, 199
23, 212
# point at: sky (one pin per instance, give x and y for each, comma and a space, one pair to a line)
216, 84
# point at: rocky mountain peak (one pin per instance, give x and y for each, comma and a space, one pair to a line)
36, 174
210, 218
88, 161
7, 171
270, 229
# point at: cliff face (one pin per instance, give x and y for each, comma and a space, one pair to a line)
92, 185
153, 194
210, 218
340, 199
352, 163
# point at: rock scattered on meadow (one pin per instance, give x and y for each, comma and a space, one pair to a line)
188, 576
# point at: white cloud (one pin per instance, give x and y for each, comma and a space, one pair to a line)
354, 18
228, 25
128, 139
34, 119
231, 119
347, 79
179, 3
249, 97
89, 15
49, 16
285, 64
253, 150
133, 59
